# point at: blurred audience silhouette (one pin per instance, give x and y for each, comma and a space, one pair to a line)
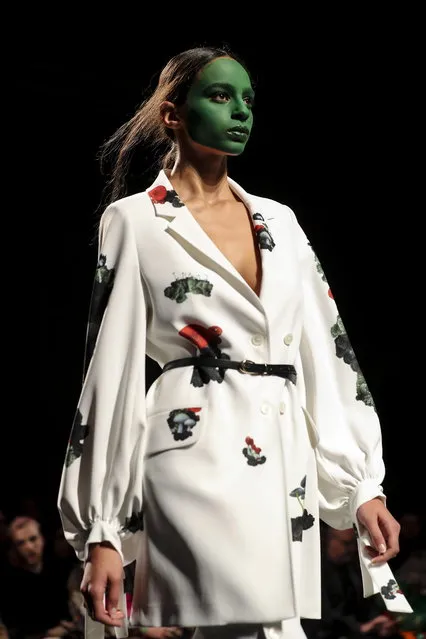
40, 580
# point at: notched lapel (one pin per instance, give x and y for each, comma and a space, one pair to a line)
183, 226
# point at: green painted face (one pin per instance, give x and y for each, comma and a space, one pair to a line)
219, 107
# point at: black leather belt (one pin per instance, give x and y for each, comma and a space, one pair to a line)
246, 366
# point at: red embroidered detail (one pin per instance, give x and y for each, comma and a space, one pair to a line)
252, 453
158, 194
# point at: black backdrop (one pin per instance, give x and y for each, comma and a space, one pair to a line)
334, 138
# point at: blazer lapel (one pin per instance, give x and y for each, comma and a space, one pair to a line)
185, 229
266, 238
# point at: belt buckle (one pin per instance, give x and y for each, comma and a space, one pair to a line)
243, 368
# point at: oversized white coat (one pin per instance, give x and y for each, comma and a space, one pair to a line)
228, 473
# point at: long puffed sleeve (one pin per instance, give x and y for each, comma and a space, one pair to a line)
349, 450
349, 442
100, 496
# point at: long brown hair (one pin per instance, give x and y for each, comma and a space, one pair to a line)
146, 128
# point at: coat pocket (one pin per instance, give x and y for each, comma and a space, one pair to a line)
175, 428
311, 428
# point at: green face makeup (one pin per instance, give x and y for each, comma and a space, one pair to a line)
219, 107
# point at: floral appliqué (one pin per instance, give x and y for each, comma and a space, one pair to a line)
263, 233
345, 351
322, 274
207, 340
391, 590
182, 287
102, 287
161, 195
79, 432
134, 522
181, 421
305, 520
252, 453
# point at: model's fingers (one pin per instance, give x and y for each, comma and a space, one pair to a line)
97, 593
112, 600
378, 541
390, 528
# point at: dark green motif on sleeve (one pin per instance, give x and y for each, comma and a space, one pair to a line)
305, 520
319, 268
104, 275
321, 271
134, 522
180, 288
345, 351
102, 287
79, 433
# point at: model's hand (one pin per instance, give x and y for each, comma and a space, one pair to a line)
102, 577
383, 530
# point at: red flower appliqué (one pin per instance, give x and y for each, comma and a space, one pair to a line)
330, 294
158, 194
252, 453
249, 441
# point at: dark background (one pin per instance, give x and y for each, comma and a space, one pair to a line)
335, 138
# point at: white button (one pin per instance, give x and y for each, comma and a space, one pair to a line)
257, 340
282, 408
264, 409
288, 339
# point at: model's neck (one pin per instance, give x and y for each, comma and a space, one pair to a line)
200, 180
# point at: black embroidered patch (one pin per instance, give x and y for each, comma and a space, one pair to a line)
305, 520
102, 287
79, 433
207, 340
181, 421
263, 233
134, 522
182, 287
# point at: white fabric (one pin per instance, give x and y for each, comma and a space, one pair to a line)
219, 546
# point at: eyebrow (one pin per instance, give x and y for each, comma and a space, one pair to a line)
228, 87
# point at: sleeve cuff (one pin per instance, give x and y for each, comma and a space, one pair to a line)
103, 531
366, 490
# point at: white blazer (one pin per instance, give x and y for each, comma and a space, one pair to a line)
228, 474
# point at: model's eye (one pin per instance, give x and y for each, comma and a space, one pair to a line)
249, 101
219, 96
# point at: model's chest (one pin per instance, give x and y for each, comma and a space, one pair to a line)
231, 230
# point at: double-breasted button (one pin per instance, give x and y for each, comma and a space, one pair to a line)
288, 339
265, 409
282, 408
257, 340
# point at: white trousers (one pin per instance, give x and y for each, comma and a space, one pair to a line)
287, 629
